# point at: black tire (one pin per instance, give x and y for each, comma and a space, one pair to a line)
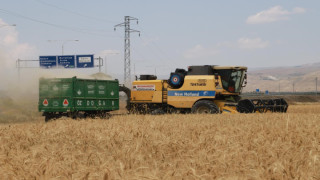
205, 107
47, 118
72, 115
104, 115
75, 115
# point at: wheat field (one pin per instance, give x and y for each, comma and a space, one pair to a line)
240, 146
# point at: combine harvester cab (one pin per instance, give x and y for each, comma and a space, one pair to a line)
200, 89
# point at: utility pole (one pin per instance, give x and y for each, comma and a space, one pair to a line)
18, 66
134, 70
63, 43
293, 87
127, 31
316, 86
24, 65
100, 63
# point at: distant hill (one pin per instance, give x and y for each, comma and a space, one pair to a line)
302, 76
297, 78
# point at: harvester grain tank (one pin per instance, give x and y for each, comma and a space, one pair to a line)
200, 89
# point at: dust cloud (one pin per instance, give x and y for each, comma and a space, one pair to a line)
19, 86
24, 81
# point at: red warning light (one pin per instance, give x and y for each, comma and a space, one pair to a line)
65, 102
45, 102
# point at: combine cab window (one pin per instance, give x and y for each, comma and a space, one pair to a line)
231, 79
236, 80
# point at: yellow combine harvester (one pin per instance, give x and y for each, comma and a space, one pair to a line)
200, 89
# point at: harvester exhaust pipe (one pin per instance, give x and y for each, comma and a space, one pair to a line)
262, 105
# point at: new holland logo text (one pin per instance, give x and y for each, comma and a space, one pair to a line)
191, 93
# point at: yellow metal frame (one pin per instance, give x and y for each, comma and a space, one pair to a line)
194, 88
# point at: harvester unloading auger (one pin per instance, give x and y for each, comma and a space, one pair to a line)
200, 89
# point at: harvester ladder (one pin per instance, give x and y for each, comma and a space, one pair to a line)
164, 95
164, 92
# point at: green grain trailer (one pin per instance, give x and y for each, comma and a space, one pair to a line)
75, 97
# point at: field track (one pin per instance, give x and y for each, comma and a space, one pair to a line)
242, 146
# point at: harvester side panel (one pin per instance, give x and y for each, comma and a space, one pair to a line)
193, 89
147, 91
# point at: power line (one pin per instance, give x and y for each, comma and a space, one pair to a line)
161, 52
75, 13
79, 30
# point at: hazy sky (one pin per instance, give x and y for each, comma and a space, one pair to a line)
174, 33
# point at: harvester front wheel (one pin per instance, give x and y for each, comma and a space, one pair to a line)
205, 107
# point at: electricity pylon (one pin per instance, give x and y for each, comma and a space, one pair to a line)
127, 31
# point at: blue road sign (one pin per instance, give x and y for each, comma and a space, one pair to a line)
85, 61
48, 61
66, 61
257, 90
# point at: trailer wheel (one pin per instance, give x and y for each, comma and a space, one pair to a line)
205, 107
104, 115
75, 115
48, 117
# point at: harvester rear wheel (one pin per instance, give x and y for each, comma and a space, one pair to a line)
205, 107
